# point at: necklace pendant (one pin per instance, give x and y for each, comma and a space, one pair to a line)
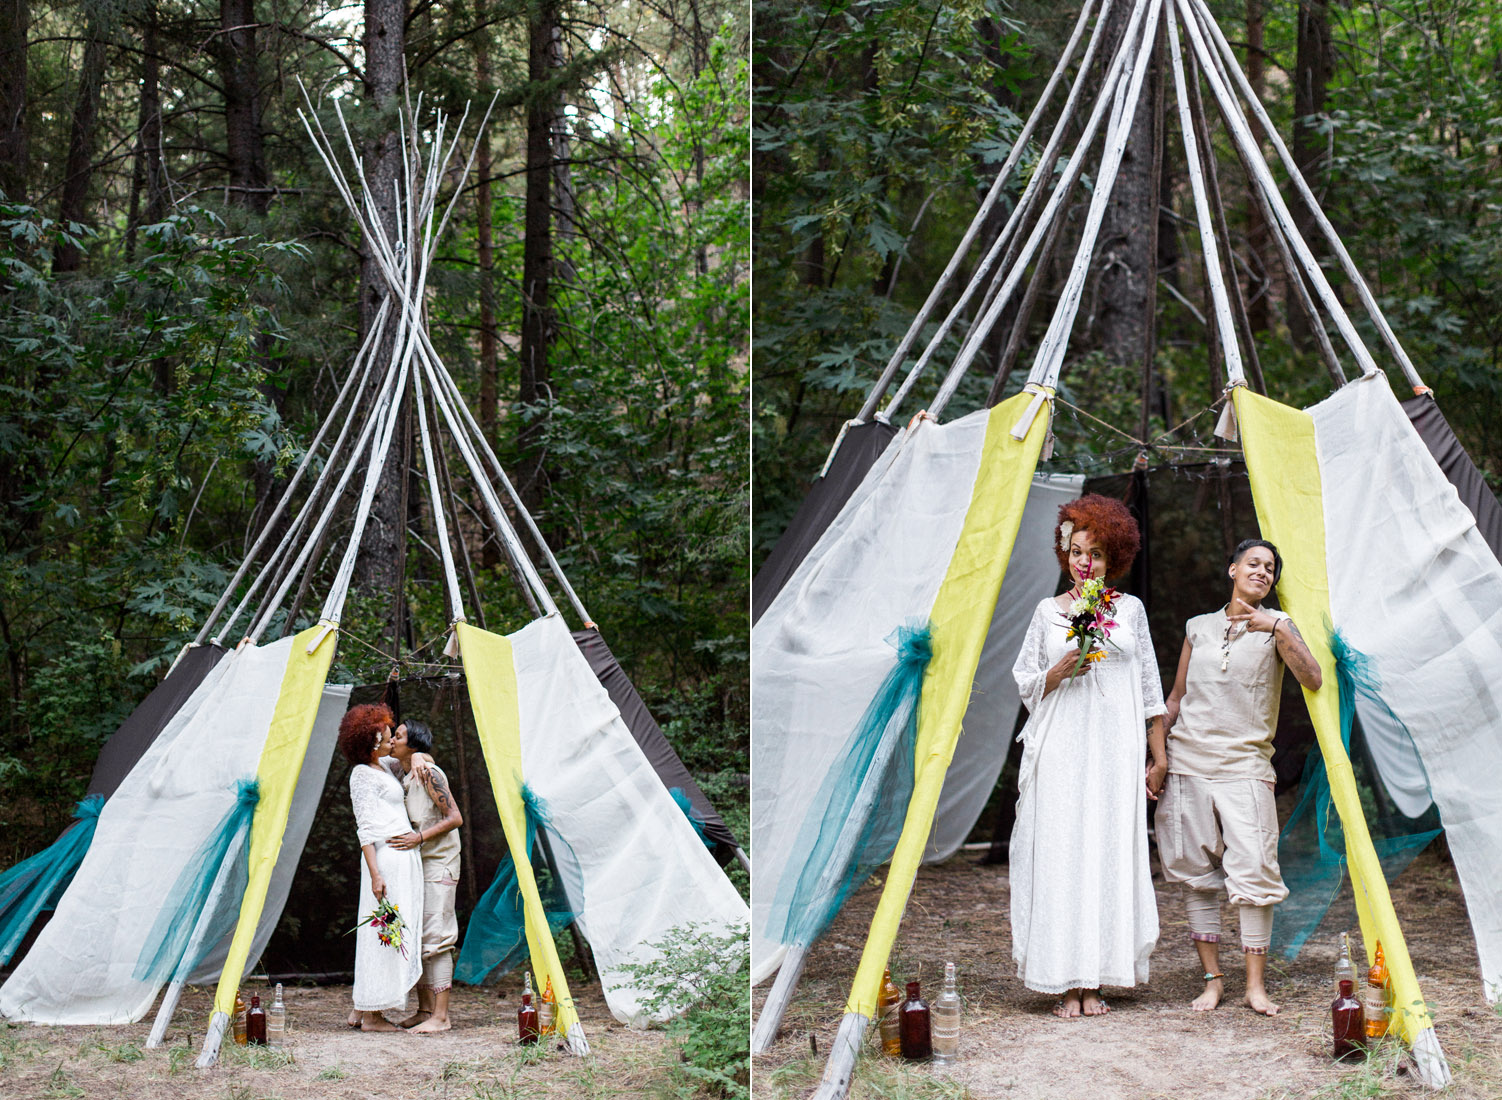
1225, 662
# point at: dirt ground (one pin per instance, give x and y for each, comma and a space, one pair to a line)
1151, 1045
478, 1060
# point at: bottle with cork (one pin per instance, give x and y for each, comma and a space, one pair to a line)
526, 1015
888, 1001
1376, 997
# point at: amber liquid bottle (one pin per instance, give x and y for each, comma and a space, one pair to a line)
255, 1022
1376, 997
888, 1001
1349, 1025
917, 1027
547, 1010
239, 1019
526, 1016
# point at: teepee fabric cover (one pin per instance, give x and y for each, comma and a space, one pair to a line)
634, 867
1330, 484
79, 971
926, 536
1423, 413
1032, 574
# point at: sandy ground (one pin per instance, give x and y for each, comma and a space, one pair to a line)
1151, 1045
478, 1060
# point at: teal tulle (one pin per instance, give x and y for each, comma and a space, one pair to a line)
496, 939
37, 883
1311, 847
840, 841
165, 954
688, 811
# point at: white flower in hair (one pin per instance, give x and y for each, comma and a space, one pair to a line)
1065, 530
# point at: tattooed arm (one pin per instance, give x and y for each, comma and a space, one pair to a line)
437, 787
1296, 654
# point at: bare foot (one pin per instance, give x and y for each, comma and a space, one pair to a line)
353, 1019
1092, 1005
1257, 1000
432, 1024
374, 1021
416, 1018
1069, 1007
1207, 1001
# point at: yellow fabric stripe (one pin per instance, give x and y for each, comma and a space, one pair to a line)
280, 764
958, 623
1283, 463
491, 672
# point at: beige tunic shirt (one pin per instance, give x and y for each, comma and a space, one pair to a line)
1227, 718
440, 855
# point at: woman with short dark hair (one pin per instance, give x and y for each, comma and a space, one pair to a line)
383, 974
1217, 825
1083, 910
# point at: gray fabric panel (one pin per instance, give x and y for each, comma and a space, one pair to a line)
1475, 494
649, 736
860, 448
136, 733
305, 798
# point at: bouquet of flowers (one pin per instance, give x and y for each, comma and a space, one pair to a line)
1090, 620
391, 928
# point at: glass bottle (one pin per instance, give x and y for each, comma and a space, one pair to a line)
276, 1020
1344, 971
1349, 1025
547, 1010
255, 1022
917, 1030
1374, 998
946, 1020
239, 1021
888, 1001
526, 1015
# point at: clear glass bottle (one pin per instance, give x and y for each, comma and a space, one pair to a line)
888, 1001
1375, 996
526, 1015
1344, 971
276, 1020
547, 1010
1348, 1025
917, 1027
945, 1012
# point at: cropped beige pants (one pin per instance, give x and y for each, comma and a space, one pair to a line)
1219, 835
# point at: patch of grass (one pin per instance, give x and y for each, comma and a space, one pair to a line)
332, 1073
1388, 1070
60, 1086
179, 1056
259, 1057
14, 1049
120, 1052
876, 1075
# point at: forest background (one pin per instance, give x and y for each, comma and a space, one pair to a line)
878, 126
182, 295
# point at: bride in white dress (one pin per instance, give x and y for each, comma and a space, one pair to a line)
383, 976
1083, 910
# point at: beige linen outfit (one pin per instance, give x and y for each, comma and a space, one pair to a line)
1217, 823
440, 884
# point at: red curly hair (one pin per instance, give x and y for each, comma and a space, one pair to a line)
1113, 526
360, 730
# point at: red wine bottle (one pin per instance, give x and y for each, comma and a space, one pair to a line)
1349, 1025
917, 1027
255, 1022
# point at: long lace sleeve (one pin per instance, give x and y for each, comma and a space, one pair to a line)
1147, 664
1031, 668
365, 796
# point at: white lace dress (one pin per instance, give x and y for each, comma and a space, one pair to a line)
1083, 910
382, 976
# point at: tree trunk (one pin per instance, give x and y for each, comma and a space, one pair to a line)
539, 325
490, 367
1256, 229
379, 567
245, 144
15, 22
79, 169
1125, 255
1313, 64
148, 176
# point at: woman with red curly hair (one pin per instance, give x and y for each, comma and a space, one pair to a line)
1083, 910
383, 974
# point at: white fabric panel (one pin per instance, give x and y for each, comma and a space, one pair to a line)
643, 869
1414, 586
79, 970
1032, 574
310, 781
818, 653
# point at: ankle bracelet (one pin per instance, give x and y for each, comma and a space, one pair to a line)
1213, 977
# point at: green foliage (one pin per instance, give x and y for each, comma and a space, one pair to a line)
703, 977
